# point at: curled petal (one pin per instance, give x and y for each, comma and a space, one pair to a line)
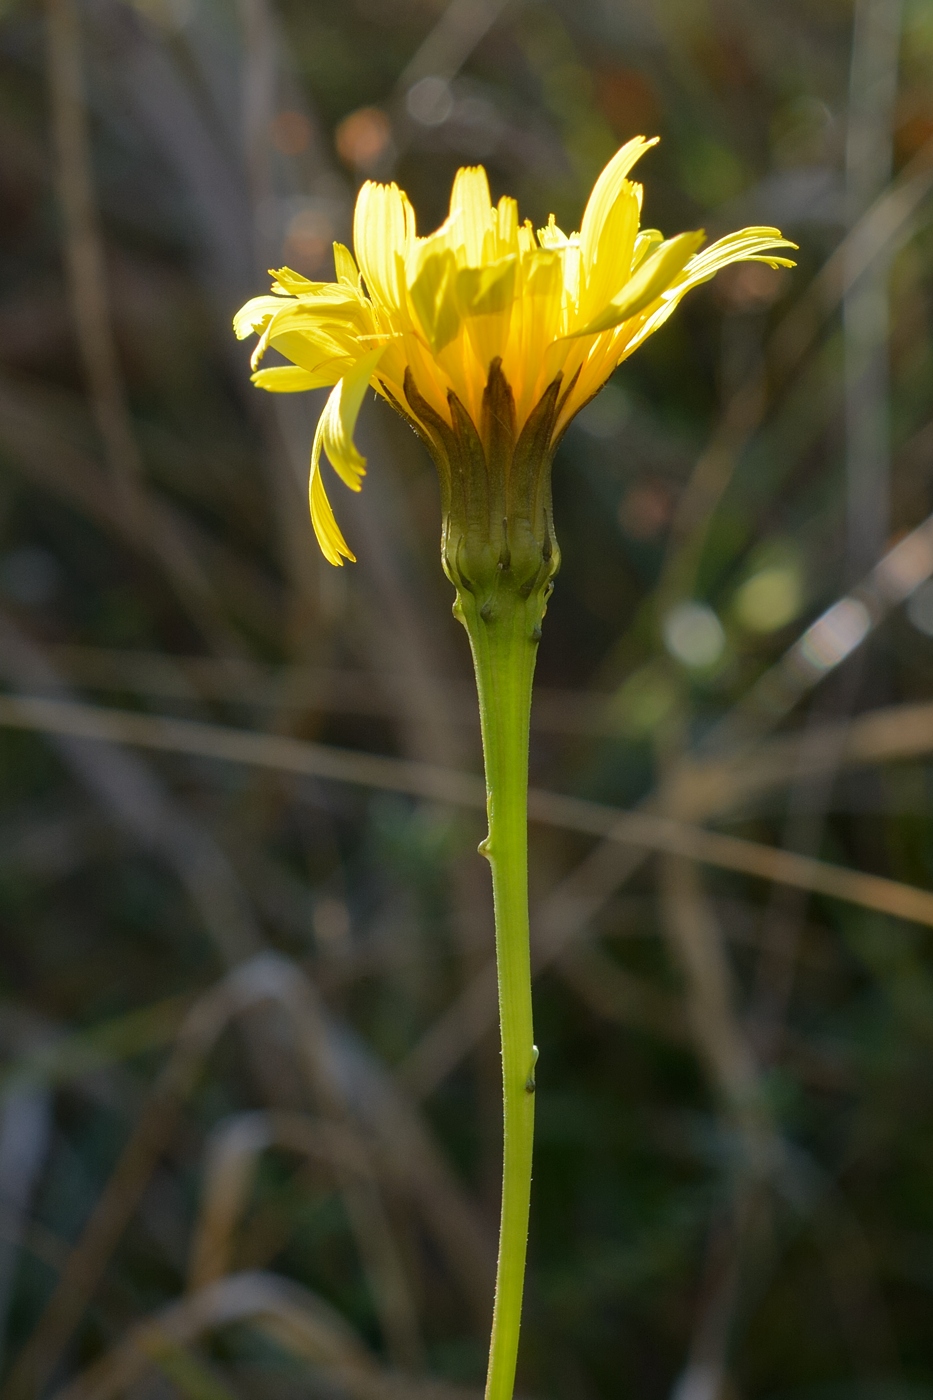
334, 436
746, 245
329, 535
256, 315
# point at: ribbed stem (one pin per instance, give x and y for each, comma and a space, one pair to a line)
504, 646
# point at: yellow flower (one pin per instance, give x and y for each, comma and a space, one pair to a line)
431, 323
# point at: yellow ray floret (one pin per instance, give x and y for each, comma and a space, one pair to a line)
481, 289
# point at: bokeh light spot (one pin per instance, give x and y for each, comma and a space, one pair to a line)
430, 101
769, 599
362, 139
693, 635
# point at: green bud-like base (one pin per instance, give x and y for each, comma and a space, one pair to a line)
498, 536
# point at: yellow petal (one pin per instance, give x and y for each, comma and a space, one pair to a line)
507, 225
648, 239
485, 296
291, 283
537, 323
334, 435
333, 545
348, 274
471, 208
330, 310
339, 420
312, 351
525, 235
746, 245
552, 236
607, 267
607, 190
256, 315
292, 379
432, 295
486, 291
326, 298
654, 276
383, 225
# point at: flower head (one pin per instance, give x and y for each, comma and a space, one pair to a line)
481, 320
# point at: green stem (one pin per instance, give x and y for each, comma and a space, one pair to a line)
504, 646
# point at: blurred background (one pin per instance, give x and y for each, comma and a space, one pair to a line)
249, 1140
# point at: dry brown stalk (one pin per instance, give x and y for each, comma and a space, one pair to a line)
247, 986
33, 430
648, 831
87, 277
294, 1317
878, 228
698, 947
231, 1159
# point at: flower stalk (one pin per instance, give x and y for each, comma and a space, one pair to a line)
504, 650
499, 551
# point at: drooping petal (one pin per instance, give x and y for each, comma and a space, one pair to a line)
314, 347
334, 436
329, 536
339, 420
383, 225
606, 191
